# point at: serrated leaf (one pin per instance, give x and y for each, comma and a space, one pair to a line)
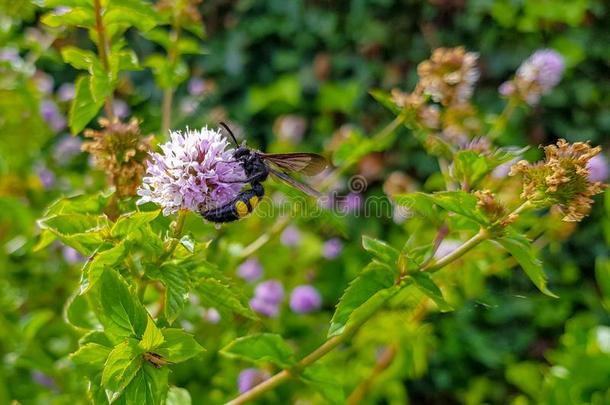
122, 60
324, 380
122, 365
521, 249
92, 270
82, 232
79, 58
132, 13
424, 283
78, 313
177, 282
178, 346
74, 16
91, 355
131, 222
117, 308
152, 338
261, 348
381, 250
83, 108
222, 297
149, 386
80, 204
178, 396
458, 202
374, 278
470, 166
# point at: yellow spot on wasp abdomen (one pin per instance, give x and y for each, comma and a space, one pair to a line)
241, 208
253, 201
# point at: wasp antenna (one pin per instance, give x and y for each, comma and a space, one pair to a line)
225, 126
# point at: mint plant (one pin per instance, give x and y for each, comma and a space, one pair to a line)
148, 260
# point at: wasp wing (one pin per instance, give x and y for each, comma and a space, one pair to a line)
309, 164
295, 183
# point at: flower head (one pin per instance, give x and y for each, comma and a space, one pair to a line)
536, 76
332, 248
305, 299
291, 236
249, 378
267, 298
250, 270
120, 150
194, 171
598, 168
449, 75
561, 179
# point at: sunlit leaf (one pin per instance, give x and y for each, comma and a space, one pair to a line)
261, 348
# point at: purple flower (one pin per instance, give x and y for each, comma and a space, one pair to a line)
196, 86
290, 128
446, 247
52, 116
66, 92
120, 108
9, 54
71, 255
291, 236
332, 248
249, 378
270, 291
46, 176
507, 89
351, 202
598, 168
264, 308
188, 105
250, 270
501, 171
305, 299
67, 148
544, 67
44, 82
267, 298
211, 315
43, 379
193, 171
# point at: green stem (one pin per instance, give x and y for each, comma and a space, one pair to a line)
175, 236
503, 119
102, 47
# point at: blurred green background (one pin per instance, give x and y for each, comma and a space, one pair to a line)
292, 75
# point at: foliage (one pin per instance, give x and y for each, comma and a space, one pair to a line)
417, 257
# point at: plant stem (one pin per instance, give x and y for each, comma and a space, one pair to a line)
385, 359
168, 93
503, 119
102, 47
175, 236
350, 330
262, 240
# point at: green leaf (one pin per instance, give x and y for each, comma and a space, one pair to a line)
118, 309
79, 58
178, 396
74, 16
521, 249
458, 202
166, 73
260, 348
324, 380
84, 108
83, 232
131, 13
122, 365
148, 386
469, 167
225, 299
178, 346
80, 204
424, 283
101, 83
385, 99
123, 60
92, 270
91, 355
131, 222
380, 249
78, 313
374, 278
152, 337
176, 280
602, 276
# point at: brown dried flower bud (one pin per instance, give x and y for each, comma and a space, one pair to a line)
120, 150
449, 75
561, 179
489, 205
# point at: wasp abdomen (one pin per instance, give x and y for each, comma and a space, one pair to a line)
241, 206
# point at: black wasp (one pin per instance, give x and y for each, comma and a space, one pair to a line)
257, 167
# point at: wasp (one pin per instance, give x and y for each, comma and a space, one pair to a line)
257, 168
